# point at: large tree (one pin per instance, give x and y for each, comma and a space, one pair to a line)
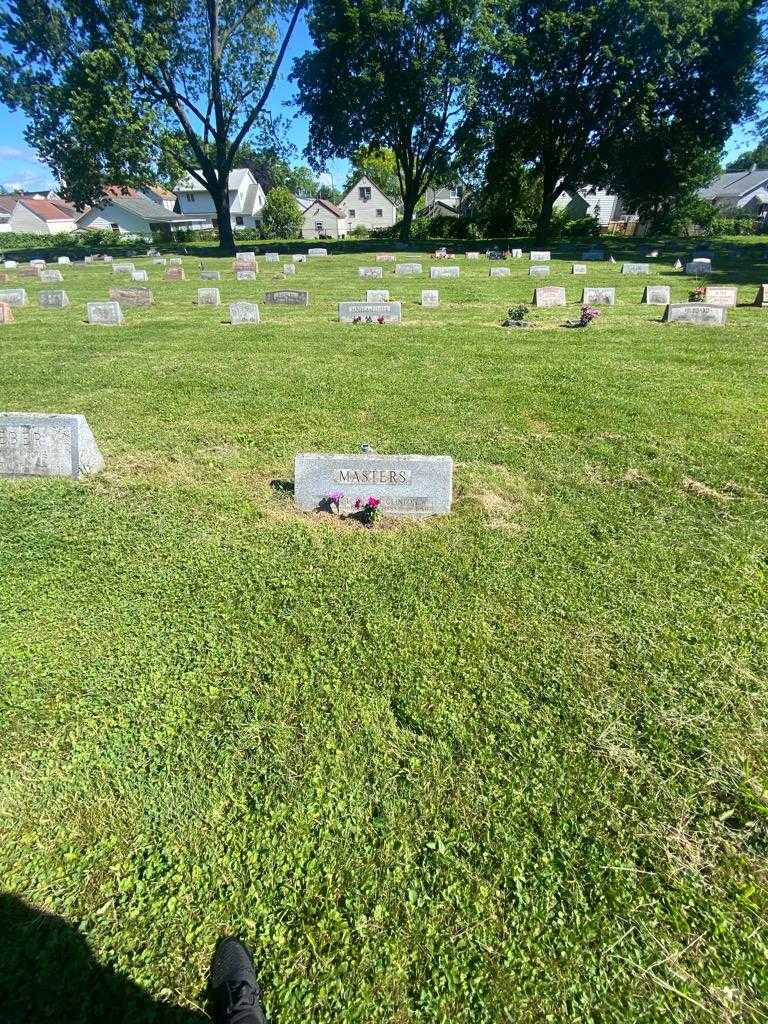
380, 165
572, 83
757, 157
118, 90
395, 73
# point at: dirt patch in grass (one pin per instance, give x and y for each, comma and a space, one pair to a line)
702, 490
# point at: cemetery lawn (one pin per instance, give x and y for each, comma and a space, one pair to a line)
503, 766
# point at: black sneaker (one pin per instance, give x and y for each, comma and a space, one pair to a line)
236, 992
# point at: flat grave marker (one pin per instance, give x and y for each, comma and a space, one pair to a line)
53, 300
698, 267
377, 295
244, 313
104, 314
635, 268
695, 313
540, 255
598, 297
132, 296
288, 269
245, 275
444, 271
272, 257
430, 298
370, 272
579, 268
47, 444
406, 485
286, 298
390, 312
403, 269
385, 257
499, 272
317, 252
538, 272
549, 296
210, 275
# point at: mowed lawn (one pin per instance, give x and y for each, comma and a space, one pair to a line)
503, 766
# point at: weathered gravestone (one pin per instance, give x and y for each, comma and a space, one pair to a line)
579, 268
385, 257
250, 265
370, 272
473, 255
726, 296
51, 276
538, 272
317, 252
208, 297
550, 296
430, 298
761, 299
389, 312
299, 257
63, 259
516, 254
175, 274
695, 313
698, 267
132, 296
245, 275
47, 444
13, 296
406, 485
6, 315
104, 314
161, 262
598, 297
139, 275
407, 268
286, 298
656, 295
40, 264
29, 272
444, 271
377, 295
500, 271
107, 259
288, 269
248, 257
123, 268
540, 255
210, 275
88, 260
175, 261
10, 264
53, 300
244, 313
272, 257
635, 268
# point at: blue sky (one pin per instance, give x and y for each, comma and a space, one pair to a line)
19, 167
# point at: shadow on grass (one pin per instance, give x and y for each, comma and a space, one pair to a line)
50, 976
282, 486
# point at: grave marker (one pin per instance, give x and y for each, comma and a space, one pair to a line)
6, 315
244, 313
210, 275
598, 297
430, 298
499, 272
131, 296
370, 272
656, 295
299, 257
385, 257
473, 255
540, 255
761, 299
377, 295
444, 272
10, 264
538, 272
245, 275
208, 297
550, 296
695, 313
13, 296
51, 276
288, 269
407, 268
579, 268
47, 444
635, 268
272, 257
53, 300
726, 296
286, 298
161, 262
63, 259
390, 311
123, 268
317, 252
104, 314
406, 485
698, 267
139, 275
516, 254
175, 274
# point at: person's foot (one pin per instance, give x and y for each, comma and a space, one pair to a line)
235, 990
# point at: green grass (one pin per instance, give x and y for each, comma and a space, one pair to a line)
503, 766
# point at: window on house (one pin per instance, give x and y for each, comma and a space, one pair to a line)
239, 221
453, 193
364, 193
115, 227
351, 214
379, 213
318, 225
190, 197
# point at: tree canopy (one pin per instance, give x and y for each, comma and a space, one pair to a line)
122, 93
281, 217
401, 74
757, 157
377, 163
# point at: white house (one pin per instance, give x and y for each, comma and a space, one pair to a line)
246, 200
128, 212
592, 201
323, 220
160, 195
365, 204
38, 216
744, 191
444, 201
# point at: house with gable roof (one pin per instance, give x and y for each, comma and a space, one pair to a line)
366, 205
323, 219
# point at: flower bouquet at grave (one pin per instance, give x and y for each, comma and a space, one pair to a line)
331, 502
588, 314
516, 316
697, 295
369, 511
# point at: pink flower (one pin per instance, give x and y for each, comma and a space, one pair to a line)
358, 503
373, 502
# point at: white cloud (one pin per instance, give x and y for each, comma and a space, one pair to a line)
325, 178
18, 153
28, 180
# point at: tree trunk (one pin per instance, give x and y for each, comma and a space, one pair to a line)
544, 222
226, 235
409, 205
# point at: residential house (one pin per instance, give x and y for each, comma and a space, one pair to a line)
128, 212
246, 200
444, 201
366, 205
303, 202
160, 195
38, 216
739, 192
592, 201
322, 219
